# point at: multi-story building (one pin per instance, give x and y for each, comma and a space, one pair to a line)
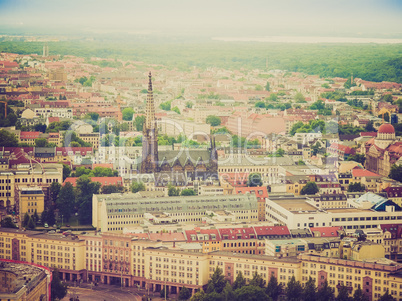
66, 253
45, 113
299, 213
23, 281
31, 200
12, 180
113, 212
138, 261
92, 138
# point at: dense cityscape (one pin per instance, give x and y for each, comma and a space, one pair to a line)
162, 168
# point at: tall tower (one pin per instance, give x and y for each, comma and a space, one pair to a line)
45, 50
149, 162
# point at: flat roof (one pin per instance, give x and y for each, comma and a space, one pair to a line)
295, 205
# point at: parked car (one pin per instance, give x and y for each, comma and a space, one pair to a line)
46, 225
67, 225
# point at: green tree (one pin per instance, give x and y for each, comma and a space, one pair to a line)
273, 97
254, 180
358, 295
310, 290
310, 188
66, 201
8, 139
54, 191
369, 127
396, 172
184, 293
187, 191
228, 293
214, 296
198, 296
267, 87
137, 186
7, 222
40, 142
387, 98
176, 109
35, 217
31, 223
239, 281
189, 104
58, 289
108, 189
217, 282
299, 97
293, 290
92, 115
386, 297
85, 190
25, 219
274, 289
343, 294
139, 122
213, 120
166, 106
325, 292
173, 191
257, 280
251, 293
259, 104
356, 187
357, 158
128, 114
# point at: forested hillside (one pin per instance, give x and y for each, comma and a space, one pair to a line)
373, 62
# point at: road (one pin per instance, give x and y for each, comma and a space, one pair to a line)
108, 293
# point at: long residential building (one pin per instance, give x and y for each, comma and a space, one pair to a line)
111, 258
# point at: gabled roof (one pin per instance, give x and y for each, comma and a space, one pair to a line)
359, 172
29, 135
326, 231
271, 230
259, 191
236, 233
202, 235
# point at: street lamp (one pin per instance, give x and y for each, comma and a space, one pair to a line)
62, 220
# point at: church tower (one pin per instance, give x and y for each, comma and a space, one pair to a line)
149, 162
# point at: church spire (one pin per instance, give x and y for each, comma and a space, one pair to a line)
150, 106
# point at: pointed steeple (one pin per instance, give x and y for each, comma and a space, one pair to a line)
150, 107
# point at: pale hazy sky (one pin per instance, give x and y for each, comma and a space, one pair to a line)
213, 17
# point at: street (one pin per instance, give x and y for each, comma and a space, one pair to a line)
107, 293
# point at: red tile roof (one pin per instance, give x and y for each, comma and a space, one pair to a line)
393, 191
65, 150
29, 135
261, 192
359, 172
395, 230
271, 230
368, 134
103, 180
237, 233
343, 148
53, 119
202, 235
105, 165
167, 237
326, 231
